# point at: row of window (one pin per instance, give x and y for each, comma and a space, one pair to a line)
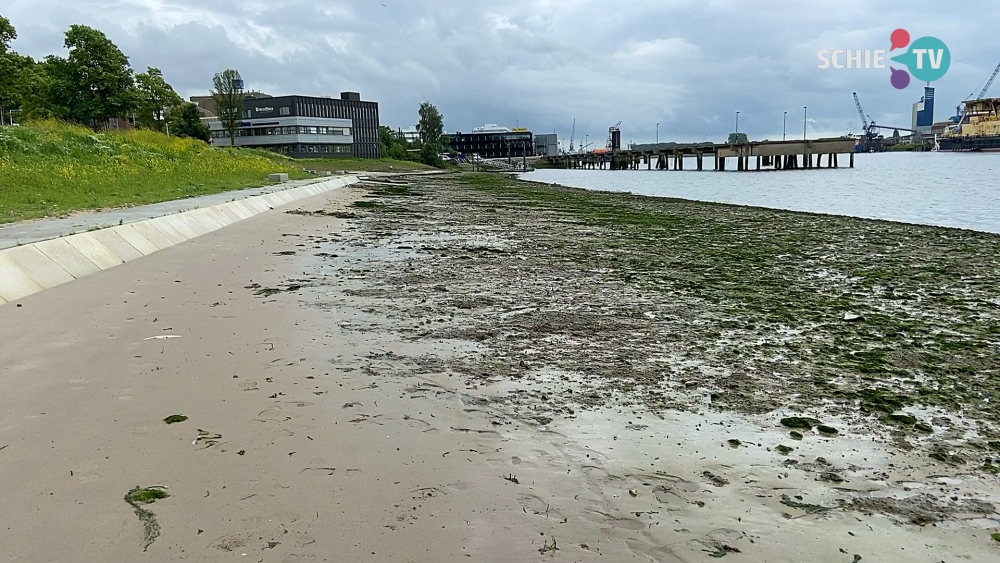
292, 130
281, 111
318, 149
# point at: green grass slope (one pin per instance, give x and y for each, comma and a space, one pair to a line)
50, 169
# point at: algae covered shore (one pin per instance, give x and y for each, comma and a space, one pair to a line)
680, 304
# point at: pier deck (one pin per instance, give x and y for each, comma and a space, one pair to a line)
773, 155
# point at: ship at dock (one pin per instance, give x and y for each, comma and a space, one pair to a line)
977, 128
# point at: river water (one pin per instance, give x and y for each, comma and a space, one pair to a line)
946, 189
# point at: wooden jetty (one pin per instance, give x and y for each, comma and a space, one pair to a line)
753, 155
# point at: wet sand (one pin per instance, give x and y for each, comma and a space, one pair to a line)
346, 401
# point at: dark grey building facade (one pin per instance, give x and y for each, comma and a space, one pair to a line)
493, 144
308, 127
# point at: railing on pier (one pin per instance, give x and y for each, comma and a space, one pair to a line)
774, 155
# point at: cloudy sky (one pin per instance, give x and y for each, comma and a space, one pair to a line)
689, 65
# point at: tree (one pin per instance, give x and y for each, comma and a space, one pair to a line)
430, 155
393, 144
186, 122
431, 125
18, 73
227, 92
11, 69
155, 98
94, 83
7, 34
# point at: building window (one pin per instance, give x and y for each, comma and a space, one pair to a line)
285, 111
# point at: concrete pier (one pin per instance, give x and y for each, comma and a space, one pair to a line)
767, 155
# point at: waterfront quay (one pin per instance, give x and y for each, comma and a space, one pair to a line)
754, 155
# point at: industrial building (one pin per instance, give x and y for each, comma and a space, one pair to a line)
923, 114
494, 141
546, 145
307, 127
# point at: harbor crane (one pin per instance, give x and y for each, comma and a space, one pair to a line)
986, 88
872, 130
571, 135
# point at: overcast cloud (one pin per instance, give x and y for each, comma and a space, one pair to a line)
689, 65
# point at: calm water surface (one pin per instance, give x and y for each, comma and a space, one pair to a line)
947, 189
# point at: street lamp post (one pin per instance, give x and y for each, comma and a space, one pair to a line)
805, 119
784, 119
657, 136
737, 127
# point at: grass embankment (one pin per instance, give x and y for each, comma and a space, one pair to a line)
49, 169
362, 165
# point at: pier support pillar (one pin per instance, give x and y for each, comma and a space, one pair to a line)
699, 161
680, 161
758, 162
835, 163
852, 160
722, 163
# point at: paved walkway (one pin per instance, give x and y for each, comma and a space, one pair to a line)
26, 232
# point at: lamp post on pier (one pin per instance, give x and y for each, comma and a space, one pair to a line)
657, 136
805, 119
784, 119
737, 127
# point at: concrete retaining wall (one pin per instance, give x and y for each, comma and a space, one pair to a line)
33, 267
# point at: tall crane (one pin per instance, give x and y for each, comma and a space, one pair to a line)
871, 130
961, 116
571, 135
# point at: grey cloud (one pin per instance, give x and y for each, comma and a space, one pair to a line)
689, 65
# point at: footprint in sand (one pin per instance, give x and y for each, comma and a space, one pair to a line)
273, 414
536, 505
655, 552
603, 518
421, 425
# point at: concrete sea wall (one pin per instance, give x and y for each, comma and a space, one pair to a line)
34, 267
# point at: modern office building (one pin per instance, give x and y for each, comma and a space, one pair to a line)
493, 141
307, 127
208, 110
546, 145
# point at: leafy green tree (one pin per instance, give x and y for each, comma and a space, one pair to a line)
185, 121
94, 83
393, 144
431, 125
17, 72
34, 84
430, 155
227, 91
156, 97
7, 34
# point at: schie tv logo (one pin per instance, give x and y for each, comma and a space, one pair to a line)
927, 59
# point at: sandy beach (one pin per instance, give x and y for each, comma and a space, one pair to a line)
426, 369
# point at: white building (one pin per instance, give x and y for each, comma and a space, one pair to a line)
409, 134
490, 128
